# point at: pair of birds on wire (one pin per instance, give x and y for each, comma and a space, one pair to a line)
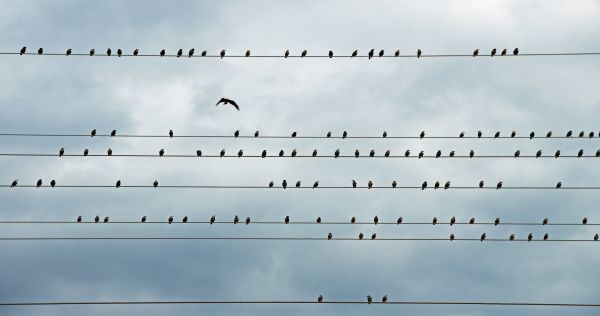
284, 184
384, 299
119, 183
494, 51
96, 219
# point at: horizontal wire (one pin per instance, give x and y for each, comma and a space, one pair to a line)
366, 239
389, 302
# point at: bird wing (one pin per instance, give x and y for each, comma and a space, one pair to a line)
234, 104
222, 100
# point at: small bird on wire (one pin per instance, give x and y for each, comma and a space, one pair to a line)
185, 219
451, 237
397, 53
39, 183
371, 52
482, 237
424, 185
394, 184
61, 152
373, 236
287, 219
330, 54
199, 153
375, 220
248, 53
304, 53
14, 183
516, 51
203, 53
436, 185
452, 220
503, 52
315, 185
236, 219
52, 183
493, 52
369, 299
298, 184
511, 237
79, 219
93, 133
584, 221
314, 154
370, 184
281, 153
287, 54
23, 50
387, 153
247, 220
97, 219
92, 52
155, 184
497, 221
530, 237
557, 154
354, 53
136, 52
513, 134
320, 299
472, 220
228, 101
476, 52
558, 185
69, 51
118, 184
108, 52
119, 52
329, 236
222, 54
222, 153
353, 220
499, 185
106, 219
284, 184
143, 219
481, 184
384, 299
319, 220
40, 51
419, 52
354, 184
161, 152
381, 53
337, 153
170, 219
162, 53
109, 152
213, 219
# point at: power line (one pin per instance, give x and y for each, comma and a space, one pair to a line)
299, 302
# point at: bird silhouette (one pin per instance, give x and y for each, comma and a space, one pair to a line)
375, 220
558, 185
97, 219
240, 153
530, 237
329, 236
92, 52
330, 54
143, 219
372, 153
69, 51
287, 220
461, 135
264, 154
434, 221
286, 54
294, 153
294, 134
596, 237
344, 134
384, 299
598, 153
399, 221
304, 52
319, 220
557, 154
213, 219
387, 153
481, 184
204, 53
61, 152
328, 134
106, 219
545, 221
503, 52
314, 154
421, 154
354, 53
179, 53
419, 52
369, 299
298, 184
199, 153
424, 185
185, 219
52, 183
256, 134
93, 133
356, 153
79, 219
580, 153
39, 183
381, 53
161, 152
584, 221
499, 185
581, 134
222, 153
497, 221
170, 219
452, 220
516, 51
337, 153
320, 299
40, 51
226, 101
592, 134
476, 52
451, 154
472, 220
118, 184
353, 220
354, 184
407, 153
549, 134
222, 54
438, 154
394, 184
569, 134
531, 135
119, 52
373, 236
451, 237
479, 134
236, 220
248, 53
497, 135
162, 53
316, 184
86, 152
471, 153
113, 133
384, 134
493, 52
447, 185
281, 153
517, 153
155, 184
371, 52
370, 184
436, 185
538, 154
136, 52
247, 220
397, 53
284, 184
236, 133
23, 50
512, 237
109, 152
482, 237
513, 134
422, 134
271, 184
14, 183
108, 52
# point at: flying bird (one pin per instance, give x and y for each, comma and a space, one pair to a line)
79, 219
226, 101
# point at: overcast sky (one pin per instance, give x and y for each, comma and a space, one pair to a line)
443, 96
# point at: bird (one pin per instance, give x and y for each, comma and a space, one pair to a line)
461, 135
222, 153
213, 219
294, 153
108, 52
161, 152
236, 219
271, 184
354, 53
513, 134
113, 133
419, 52
247, 220
434, 221
471, 153
394, 184
438, 154
61, 152
424, 185
407, 153
497, 135
481, 184
106, 219
162, 53
316, 184
248, 53
372, 153
545, 221
14, 183
421, 154
517, 153
558, 185
516, 51
384, 134
399, 221
185, 219
118, 184
69, 52
497, 221
222, 54
39, 183
92, 52
97, 219
337, 153
170, 133
143, 219
397, 53
512, 237
329, 236
381, 53
79, 219
451, 237
294, 134
354, 184
353, 220
328, 134
119, 52
319, 220
281, 153
499, 185
284, 184
370, 184
493, 52
479, 134
199, 153
476, 52
344, 134
581, 134
360, 236
503, 52
447, 185
557, 154
531, 135
203, 53
472, 220
584, 221
373, 236
155, 184
452, 220
287, 53
23, 50
482, 237
40, 51
451, 154
530, 237
598, 153
580, 153
136, 52
549, 134
384, 299
93, 133
236, 133
387, 153
264, 154
592, 134
436, 185
375, 220
256, 134
228, 101
422, 134
320, 299
569, 134
538, 154
240, 153
170, 219
109, 152
596, 237
330, 54
52, 183
304, 52
314, 154
298, 184
371, 52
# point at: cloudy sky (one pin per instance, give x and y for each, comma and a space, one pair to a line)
311, 96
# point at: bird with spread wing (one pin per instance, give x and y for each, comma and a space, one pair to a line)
228, 101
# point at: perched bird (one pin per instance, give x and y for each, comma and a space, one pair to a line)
581, 134
436, 185
226, 101
451, 237
421, 154
387, 153
161, 152
381, 53
344, 134
281, 153
222, 54
545, 221
287, 53
399, 221
284, 184
371, 52
353, 220
319, 220
580, 153
476, 52
407, 153
320, 299
422, 134
538, 154
185, 219
438, 154
360, 236
424, 185
434, 221
314, 154
471, 153
328, 134
397, 53
329, 236
497, 221
92, 52
481, 184
113, 133
179, 53
213, 219
530, 237
294, 153
136, 52
513, 134
493, 52
452, 220
316, 184
569, 134
461, 135
294, 134
584, 221
52, 183
394, 184
97, 219
40, 51
155, 184
106, 219
86, 152
14, 183
93, 133
482, 237
472, 220
549, 134
375, 220
354, 53
370, 184
222, 153
170, 219
372, 153
479, 134
354, 184
557, 154
598, 153
330, 54
162, 53
596, 237
69, 51
271, 184
119, 52
499, 185
256, 134
419, 53
248, 53
337, 153
240, 153
531, 135
451, 154
512, 237
517, 153
39, 183
516, 51
203, 53
236, 133
384, 299
264, 154
79, 219
503, 52
109, 152
247, 220
61, 152
143, 219
108, 52
373, 236
23, 50
199, 153
558, 185
304, 52
287, 219
447, 185
298, 184
497, 135
592, 134
236, 219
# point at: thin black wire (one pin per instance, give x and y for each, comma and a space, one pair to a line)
488, 303
366, 239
